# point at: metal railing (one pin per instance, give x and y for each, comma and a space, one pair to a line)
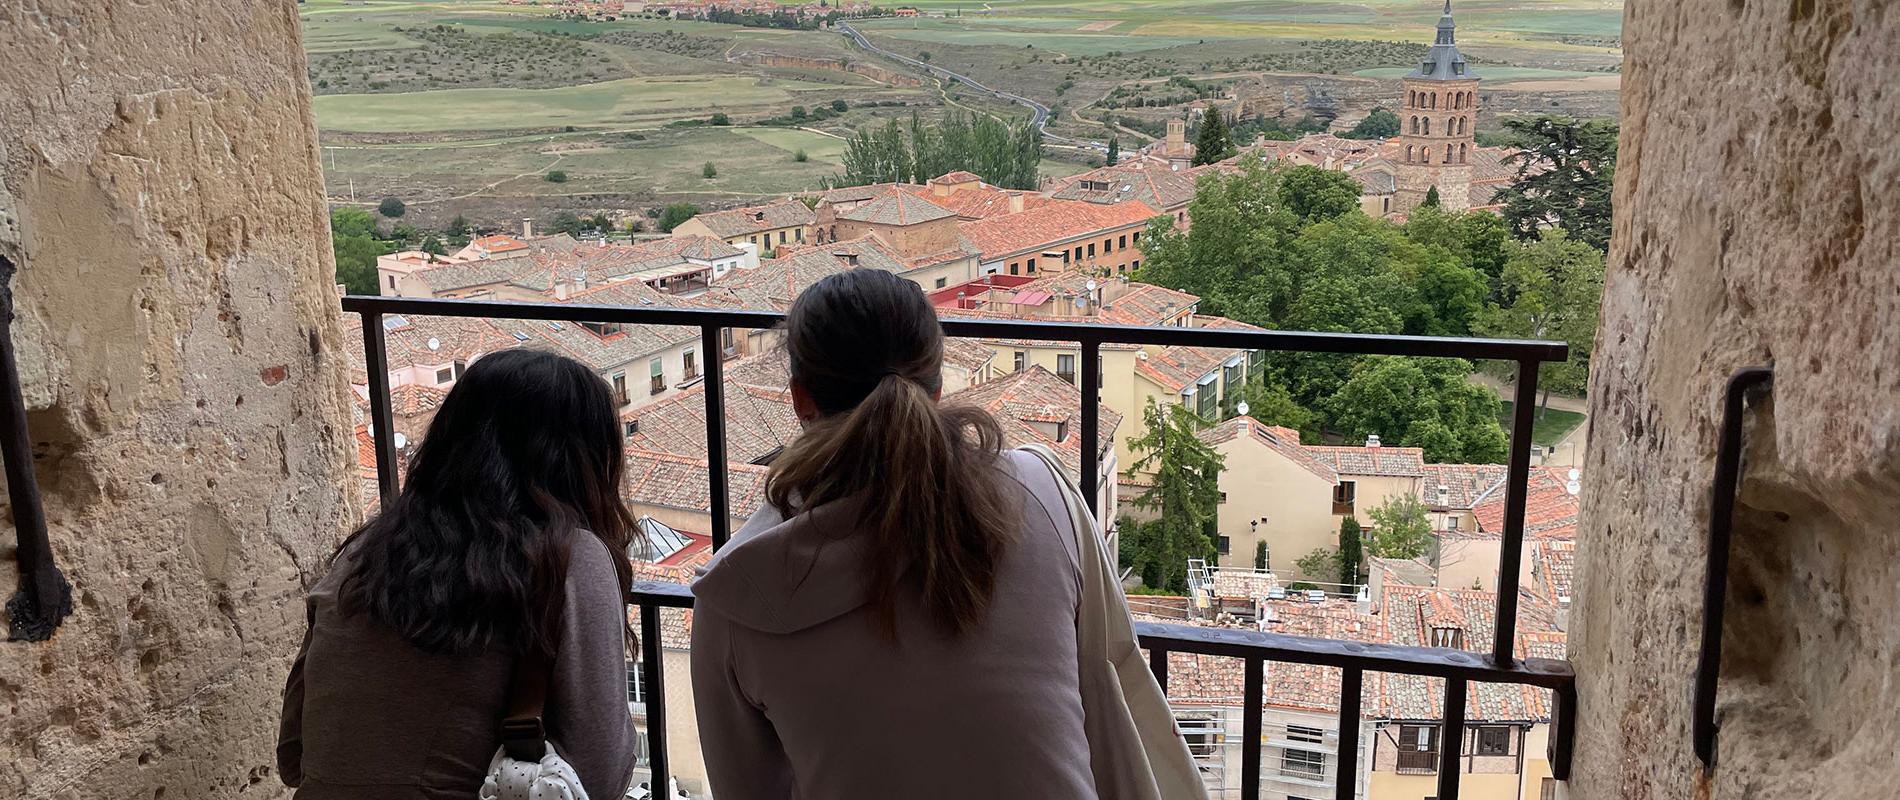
1354, 659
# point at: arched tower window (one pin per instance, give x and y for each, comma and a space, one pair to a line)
1411, 99
1415, 124
1461, 153
1408, 154
1428, 126
1434, 100
1448, 154
1461, 125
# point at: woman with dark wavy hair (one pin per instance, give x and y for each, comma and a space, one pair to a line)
507, 540
899, 621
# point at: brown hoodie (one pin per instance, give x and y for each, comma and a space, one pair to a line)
799, 695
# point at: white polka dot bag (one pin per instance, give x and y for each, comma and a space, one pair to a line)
526, 766
550, 778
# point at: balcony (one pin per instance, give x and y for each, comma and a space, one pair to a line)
1254, 649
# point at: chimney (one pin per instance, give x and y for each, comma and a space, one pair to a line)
1563, 612
1362, 602
1372, 440
1444, 496
1015, 203
527, 228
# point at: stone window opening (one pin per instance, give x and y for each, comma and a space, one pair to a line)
1428, 126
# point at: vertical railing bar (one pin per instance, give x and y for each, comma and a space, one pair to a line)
1091, 377
1253, 698
1563, 738
652, 678
1516, 490
1158, 664
381, 417
45, 597
1728, 475
720, 502
1351, 682
1451, 739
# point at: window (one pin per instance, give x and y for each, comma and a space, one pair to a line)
1256, 361
392, 281
1136, 264
636, 692
1078, 252
1230, 380
688, 366
783, 236
444, 375
1305, 733
1108, 246
1065, 367
1099, 372
620, 388
1418, 748
1223, 545
1029, 266
1091, 249
603, 329
460, 367
1136, 238
1447, 636
1015, 268
941, 282
1021, 360
1451, 522
630, 428
799, 234
1123, 239
1343, 496
659, 376
725, 340
1205, 399
1494, 740
1307, 764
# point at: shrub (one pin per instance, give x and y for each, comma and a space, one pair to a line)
391, 207
555, 176
800, 156
709, 171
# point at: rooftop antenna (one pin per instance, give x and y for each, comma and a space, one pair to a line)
434, 344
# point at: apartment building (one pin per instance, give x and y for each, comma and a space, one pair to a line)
532, 269
1062, 235
787, 223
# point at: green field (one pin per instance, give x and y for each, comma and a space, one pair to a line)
612, 103
1489, 73
1550, 425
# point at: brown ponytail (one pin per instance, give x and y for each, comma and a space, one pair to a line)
867, 348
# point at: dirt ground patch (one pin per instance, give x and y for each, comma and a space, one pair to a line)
1100, 25
1594, 83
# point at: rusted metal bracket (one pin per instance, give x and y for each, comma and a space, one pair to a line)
44, 598
1728, 475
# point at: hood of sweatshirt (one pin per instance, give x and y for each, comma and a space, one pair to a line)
781, 575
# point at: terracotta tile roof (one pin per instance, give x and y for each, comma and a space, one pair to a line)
959, 176
1147, 304
1555, 563
1464, 484
682, 482
776, 283
406, 340
498, 244
1146, 182
410, 399
1035, 407
1176, 368
676, 624
1397, 462
1409, 613
1284, 441
596, 266
469, 274
966, 354
759, 423
633, 342
1550, 511
897, 208
752, 219
1034, 230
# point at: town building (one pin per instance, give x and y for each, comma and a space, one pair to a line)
1437, 128
530, 269
1062, 235
1166, 191
765, 227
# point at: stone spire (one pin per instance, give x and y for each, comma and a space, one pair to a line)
1444, 62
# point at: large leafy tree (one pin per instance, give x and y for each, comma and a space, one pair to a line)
675, 214
1400, 528
1565, 169
1380, 124
1214, 142
1005, 153
1551, 289
1234, 256
1426, 403
1315, 194
354, 246
1183, 493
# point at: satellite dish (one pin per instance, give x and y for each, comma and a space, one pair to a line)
401, 441
434, 344
1242, 408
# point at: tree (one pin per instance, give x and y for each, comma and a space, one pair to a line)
1006, 154
1235, 255
1184, 493
1400, 528
924, 56
720, 119
1424, 402
1114, 151
840, 106
800, 156
566, 222
458, 230
1315, 194
391, 207
709, 171
403, 232
355, 248
555, 176
1351, 547
1431, 198
1564, 174
675, 214
1213, 143
1260, 554
1552, 289
1272, 404
1380, 124
434, 246
1320, 564
798, 113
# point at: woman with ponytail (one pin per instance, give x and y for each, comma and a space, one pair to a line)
899, 621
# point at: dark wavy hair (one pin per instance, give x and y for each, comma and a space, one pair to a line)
525, 448
867, 347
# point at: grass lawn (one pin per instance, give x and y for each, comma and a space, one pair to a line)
609, 103
1549, 428
817, 146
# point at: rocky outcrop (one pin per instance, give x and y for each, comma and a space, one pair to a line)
178, 340
865, 69
1757, 224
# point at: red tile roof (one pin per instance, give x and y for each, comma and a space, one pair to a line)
1464, 484
1284, 441
1034, 230
1550, 510
682, 482
752, 219
1033, 406
1397, 462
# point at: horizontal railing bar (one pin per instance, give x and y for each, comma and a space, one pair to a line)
1437, 662
1291, 341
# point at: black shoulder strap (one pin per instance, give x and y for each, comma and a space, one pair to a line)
523, 735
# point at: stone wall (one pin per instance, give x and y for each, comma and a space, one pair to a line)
178, 343
1756, 225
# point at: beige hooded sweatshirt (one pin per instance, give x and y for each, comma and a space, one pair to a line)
799, 695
